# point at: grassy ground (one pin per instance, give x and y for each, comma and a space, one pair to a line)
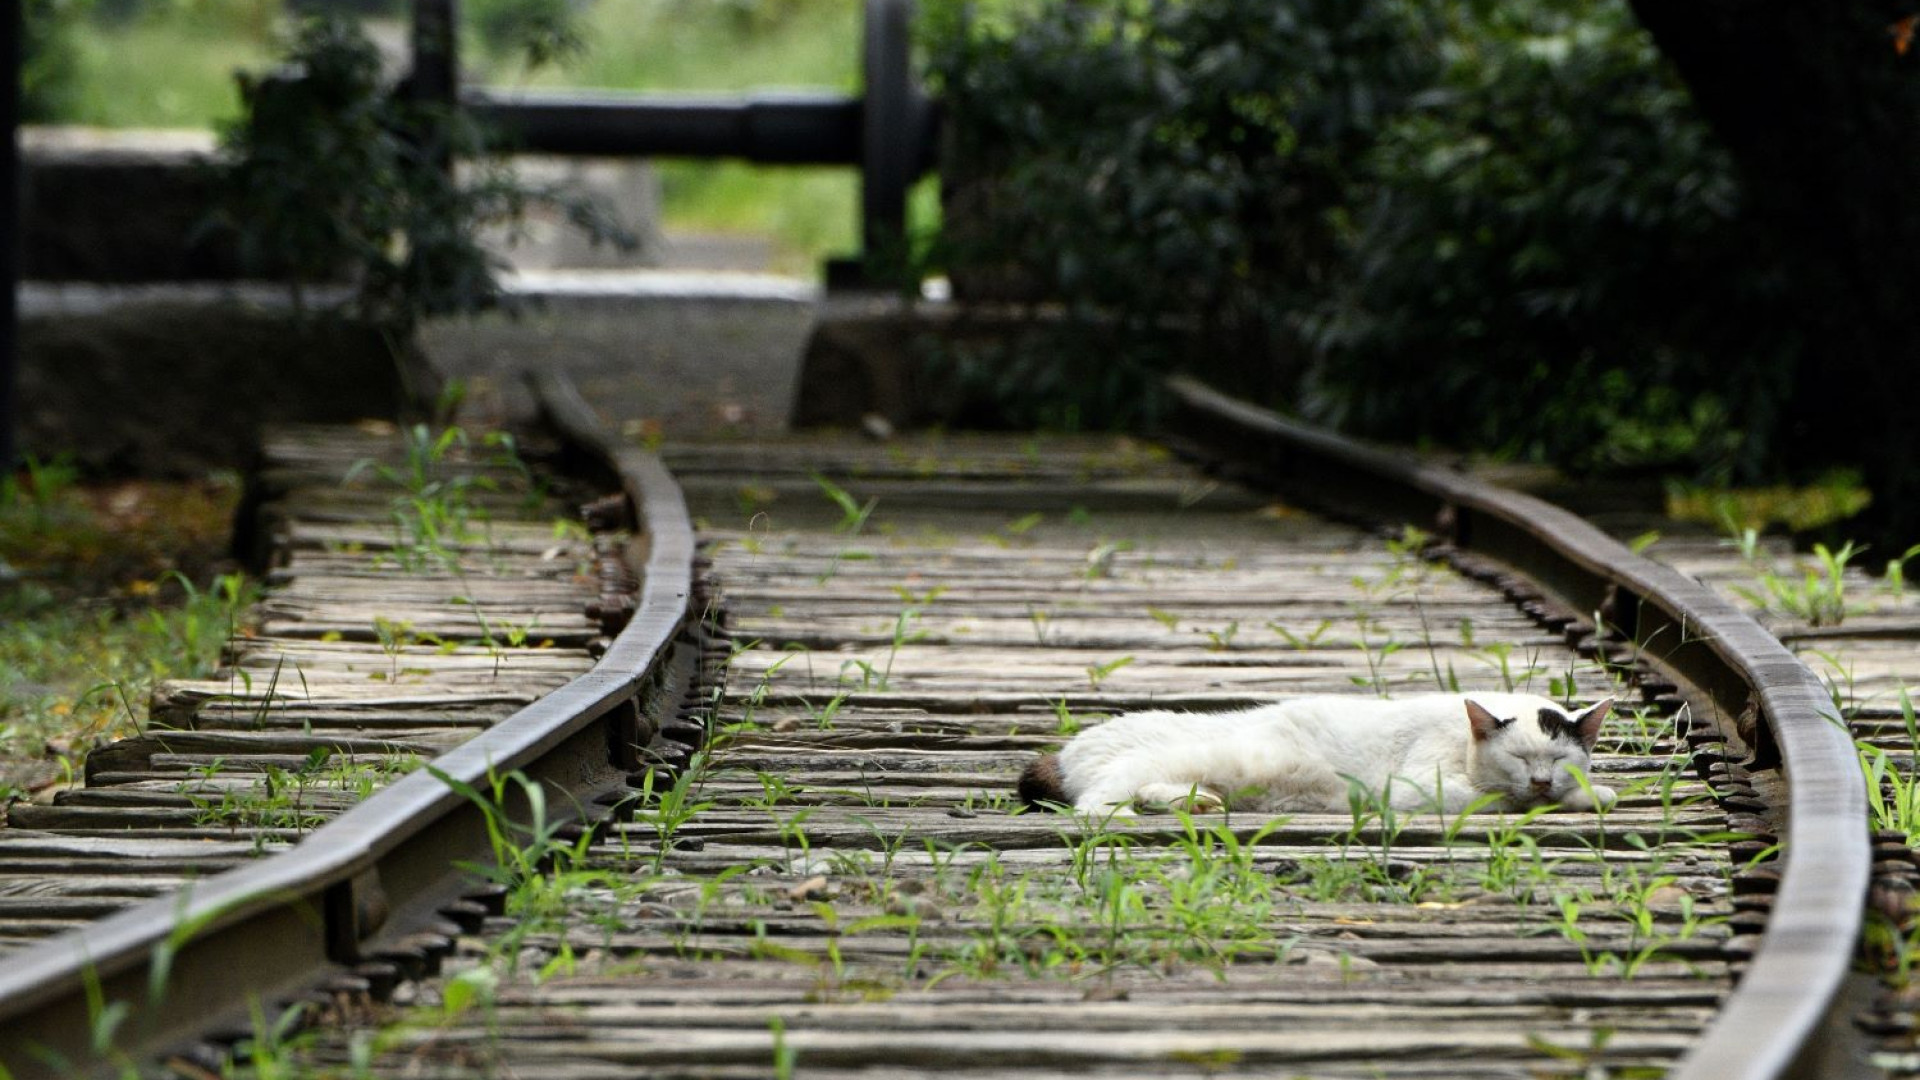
165, 72
704, 45
118, 585
173, 67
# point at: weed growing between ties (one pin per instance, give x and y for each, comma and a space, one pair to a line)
1101, 905
1815, 592
118, 586
1893, 776
287, 800
1814, 588
442, 476
1890, 762
1213, 895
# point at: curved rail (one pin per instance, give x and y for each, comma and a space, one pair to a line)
1771, 1025
376, 878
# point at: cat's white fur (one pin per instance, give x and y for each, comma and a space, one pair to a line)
1305, 755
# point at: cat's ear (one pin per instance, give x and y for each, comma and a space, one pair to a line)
1586, 723
1483, 722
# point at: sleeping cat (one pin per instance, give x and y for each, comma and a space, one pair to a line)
1297, 756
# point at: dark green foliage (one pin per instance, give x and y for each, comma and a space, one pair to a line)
332, 177
1071, 375
1549, 256
1162, 162
1494, 225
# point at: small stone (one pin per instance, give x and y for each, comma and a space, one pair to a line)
814, 888
915, 906
1667, 896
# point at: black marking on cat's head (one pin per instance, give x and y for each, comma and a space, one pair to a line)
1555, 724
1582, 727
1485, 725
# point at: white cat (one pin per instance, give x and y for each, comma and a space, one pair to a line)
1305, 755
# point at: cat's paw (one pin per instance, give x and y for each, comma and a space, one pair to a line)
1201, 802
1602, 798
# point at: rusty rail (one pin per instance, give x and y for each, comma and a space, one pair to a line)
1774, 1024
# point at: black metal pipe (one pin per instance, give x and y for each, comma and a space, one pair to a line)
774, 129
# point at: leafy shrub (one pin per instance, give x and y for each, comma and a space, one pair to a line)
1548, 257
331, 176
1162, 162
1495, 225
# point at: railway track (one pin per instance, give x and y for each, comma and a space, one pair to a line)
835, 881
1857, 633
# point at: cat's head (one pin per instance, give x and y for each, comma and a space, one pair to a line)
1528, 748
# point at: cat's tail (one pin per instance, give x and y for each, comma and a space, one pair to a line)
1042, 782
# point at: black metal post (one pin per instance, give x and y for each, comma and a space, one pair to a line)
888, 141
10, 38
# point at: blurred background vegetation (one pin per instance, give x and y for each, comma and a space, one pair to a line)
171, 63
1497, 225
1524, 227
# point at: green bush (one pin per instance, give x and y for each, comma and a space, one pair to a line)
1549, 257
1490, 225
1156, 164
331, 177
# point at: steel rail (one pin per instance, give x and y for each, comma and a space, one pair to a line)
374, 881
1773, 1024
